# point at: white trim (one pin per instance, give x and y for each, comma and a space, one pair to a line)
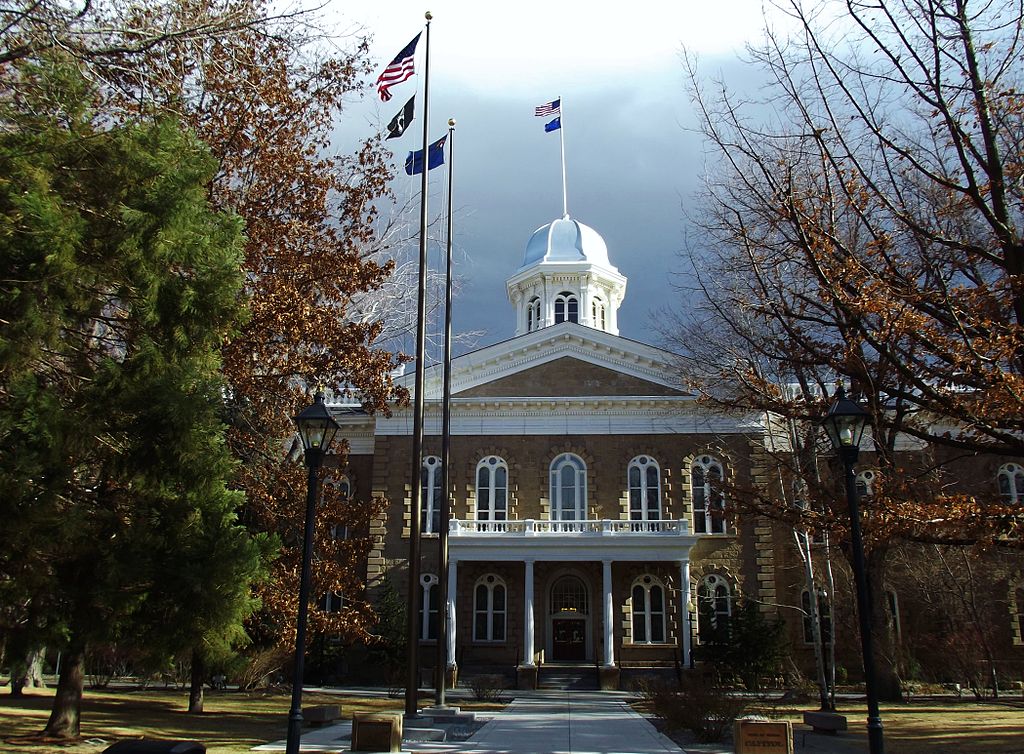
575, 541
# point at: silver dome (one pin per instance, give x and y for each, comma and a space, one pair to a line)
566, 240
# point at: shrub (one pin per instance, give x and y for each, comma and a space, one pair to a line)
487, 688
696, 703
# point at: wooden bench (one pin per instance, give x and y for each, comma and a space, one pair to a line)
321, 714
825, 722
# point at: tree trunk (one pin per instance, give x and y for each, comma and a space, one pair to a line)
27, 672
887, 650
67, 704
195, 693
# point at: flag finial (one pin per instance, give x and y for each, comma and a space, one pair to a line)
451, 122
428, 15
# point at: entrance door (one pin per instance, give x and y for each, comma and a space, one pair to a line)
569, 639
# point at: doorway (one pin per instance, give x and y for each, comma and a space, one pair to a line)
569, 639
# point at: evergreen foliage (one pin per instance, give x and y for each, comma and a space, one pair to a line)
749, 645
120, 285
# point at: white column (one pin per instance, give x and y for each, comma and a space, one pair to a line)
528, 615
452, 581
684, 591
609, 615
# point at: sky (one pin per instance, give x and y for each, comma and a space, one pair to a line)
633, 160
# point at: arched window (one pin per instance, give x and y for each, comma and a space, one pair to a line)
533, 314
644, 489
489, 609
597, 317
1017, 609
428, 607
344, 487
866, 482
491, 489
892, 609
430, 489
567, 308
569, 595
332, 602
714, 606
824, 617
568, 488
1011, 483
708, 501
648, 610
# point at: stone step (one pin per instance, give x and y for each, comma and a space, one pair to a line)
424, 734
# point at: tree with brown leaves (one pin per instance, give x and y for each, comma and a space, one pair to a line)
864, 225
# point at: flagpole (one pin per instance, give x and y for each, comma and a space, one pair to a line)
415, 591
446, 442
561, 141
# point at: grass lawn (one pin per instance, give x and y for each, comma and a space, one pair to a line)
232, 723
926, 725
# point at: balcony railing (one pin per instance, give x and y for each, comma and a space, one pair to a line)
533, 528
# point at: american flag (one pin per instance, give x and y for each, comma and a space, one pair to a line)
398, 70
549, 108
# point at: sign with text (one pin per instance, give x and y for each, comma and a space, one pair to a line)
763, 737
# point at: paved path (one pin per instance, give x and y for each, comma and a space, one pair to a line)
560, 722
569, 723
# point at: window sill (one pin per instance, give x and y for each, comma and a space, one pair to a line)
648, 644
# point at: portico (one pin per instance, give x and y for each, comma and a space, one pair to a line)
576, 625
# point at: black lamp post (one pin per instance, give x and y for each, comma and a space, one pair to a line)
845, 423
317, 429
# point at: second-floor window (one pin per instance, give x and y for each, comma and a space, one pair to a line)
491, 489
568, 488
708, 501
430, 490
1011, 483
644, 489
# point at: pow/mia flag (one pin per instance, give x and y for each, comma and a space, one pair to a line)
401, 121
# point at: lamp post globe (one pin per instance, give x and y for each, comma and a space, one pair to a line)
317, 430
845, 423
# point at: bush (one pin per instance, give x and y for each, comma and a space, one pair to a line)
696, 703
748, 646
487, 688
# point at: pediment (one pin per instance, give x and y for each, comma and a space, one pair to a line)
562, 360
567, 376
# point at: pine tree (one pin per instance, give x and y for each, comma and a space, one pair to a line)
120, 287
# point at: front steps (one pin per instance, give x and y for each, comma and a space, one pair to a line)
568, 677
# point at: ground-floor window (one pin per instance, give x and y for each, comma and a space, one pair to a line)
428, 607
824, 618
714, 606
489, 608
648, 611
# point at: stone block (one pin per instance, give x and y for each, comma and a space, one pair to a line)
321, 714
377, 731
608, 677
825, 722
526, 677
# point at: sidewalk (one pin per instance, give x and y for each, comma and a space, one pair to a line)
567, 722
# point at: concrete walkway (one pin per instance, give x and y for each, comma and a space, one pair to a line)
566, 722
569, 723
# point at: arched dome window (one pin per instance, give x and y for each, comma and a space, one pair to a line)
533, 314
567, 308
644, 489
597, 314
